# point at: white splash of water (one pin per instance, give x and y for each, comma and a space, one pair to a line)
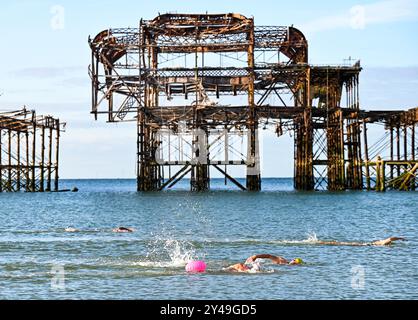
168, 253
312, 239
180, 252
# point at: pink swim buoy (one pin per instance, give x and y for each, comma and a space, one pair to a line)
196, 267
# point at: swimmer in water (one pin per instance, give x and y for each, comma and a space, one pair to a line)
380, 243
123, 230
252, 266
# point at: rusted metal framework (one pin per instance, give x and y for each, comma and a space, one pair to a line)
195, 82
394, 162
29, 151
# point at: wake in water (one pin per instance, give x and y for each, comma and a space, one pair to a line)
312, 239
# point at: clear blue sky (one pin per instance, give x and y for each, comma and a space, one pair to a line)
45, 68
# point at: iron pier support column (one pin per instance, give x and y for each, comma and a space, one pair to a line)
57, 152
304, 179
253, 158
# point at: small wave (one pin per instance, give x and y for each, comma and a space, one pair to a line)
6, 241
262, 271
57, 231
162, 249
159, 264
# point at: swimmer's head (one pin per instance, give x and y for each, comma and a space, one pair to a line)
297, 261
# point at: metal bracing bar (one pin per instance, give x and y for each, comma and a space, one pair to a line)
180, 178
239, 185
165, 184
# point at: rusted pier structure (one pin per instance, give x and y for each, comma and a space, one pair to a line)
29, 156
200, 85
393, 164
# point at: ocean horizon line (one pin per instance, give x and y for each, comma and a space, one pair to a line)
134, 178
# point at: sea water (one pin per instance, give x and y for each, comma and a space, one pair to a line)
39, 260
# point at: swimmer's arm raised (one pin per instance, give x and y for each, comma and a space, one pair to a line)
388, 241
275, 259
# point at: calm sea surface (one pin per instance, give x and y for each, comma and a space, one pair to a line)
39, 260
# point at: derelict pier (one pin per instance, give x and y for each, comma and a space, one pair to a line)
198, 85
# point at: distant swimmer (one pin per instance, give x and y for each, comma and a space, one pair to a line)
123, 230
385, 242
253, 266
70, 229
